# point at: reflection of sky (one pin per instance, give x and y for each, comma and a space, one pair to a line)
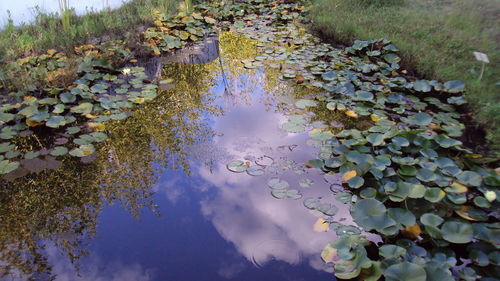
23, 10
218, 225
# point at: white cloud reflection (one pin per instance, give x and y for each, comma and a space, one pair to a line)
261, 227
94, 268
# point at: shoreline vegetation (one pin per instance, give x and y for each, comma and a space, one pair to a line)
436, 40
47, 31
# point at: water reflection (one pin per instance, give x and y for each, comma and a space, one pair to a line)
170, 156
61, 206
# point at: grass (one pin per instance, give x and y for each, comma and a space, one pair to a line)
436, 39
48, 32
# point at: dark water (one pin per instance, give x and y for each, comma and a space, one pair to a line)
202, 221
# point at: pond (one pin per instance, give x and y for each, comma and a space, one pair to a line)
259, 152
184, 215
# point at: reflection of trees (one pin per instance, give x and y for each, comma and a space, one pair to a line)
61, 206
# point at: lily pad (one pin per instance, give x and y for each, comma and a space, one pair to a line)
237, 166
457, 232
59, 150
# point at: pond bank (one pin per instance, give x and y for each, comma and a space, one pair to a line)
47, 32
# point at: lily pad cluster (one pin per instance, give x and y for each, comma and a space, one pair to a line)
66, 101
406, 172
175, 32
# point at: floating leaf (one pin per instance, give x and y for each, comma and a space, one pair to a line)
456, 187
321, 225
303, 103
277, 183
431, 219
82, 150
348, 175
469, 178
55, 121
356, 182
255, 170
422, 86
237, 166
7, 166
457, 232
83, 108
59, 150
422, 119
391, 251
286, 193
306, 182
405, 271
454, 86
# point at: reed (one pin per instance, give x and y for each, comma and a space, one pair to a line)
65, 13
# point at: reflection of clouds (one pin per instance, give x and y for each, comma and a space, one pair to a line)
171, 189
261, 227
230, 269
95, 269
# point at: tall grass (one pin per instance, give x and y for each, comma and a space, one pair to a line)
65, 13
45, 32
189, 6
436, 39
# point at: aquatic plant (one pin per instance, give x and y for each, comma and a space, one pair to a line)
407, 176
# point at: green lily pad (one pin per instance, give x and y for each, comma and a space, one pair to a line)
277, 183
286, 194
482, 202
421, 119
422, 86
457, 232
5, 146
469, 178
237, 166
391, 251
426, 175
375, 139
59, 151
401, 141
344, 197
255, 170
7, 166
402, 216
454, 86
56, 121
356, 182
371, 214
303, 103
73, 130
83, 108
306, 182
405, 271
293, 127
363, 96
31, 155
67, 97
431, 219
82, 150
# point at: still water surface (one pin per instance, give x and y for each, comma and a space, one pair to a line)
202, 221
